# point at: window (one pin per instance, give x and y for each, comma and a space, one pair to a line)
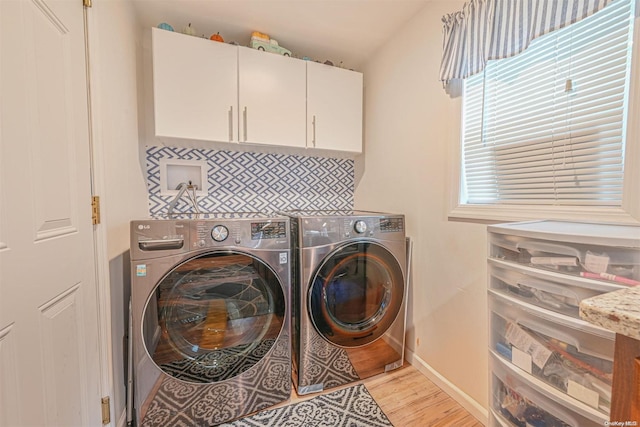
546, 129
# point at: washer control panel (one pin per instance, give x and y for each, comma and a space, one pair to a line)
250, 233
152, 238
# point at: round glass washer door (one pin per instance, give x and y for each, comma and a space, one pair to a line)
356, 294
213, 317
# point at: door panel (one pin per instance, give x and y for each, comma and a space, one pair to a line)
219, 314
334, 108
61, 322
195, 102
49, 361
356, 294
9, 414
52, 121
272, 99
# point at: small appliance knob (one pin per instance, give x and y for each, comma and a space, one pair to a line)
219, 233
360, 226
201, 243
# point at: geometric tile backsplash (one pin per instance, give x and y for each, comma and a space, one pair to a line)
256, 182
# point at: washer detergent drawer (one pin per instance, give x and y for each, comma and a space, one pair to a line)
547, 290
518, 402
151, 239
566, 354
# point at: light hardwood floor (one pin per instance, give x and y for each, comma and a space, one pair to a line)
409, 399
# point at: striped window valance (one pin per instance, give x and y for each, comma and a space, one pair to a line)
496, 29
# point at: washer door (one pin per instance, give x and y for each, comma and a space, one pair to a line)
356, 294
213, 317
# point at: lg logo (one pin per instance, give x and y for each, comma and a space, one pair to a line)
143, 227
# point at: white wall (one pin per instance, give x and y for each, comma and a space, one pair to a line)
411, 126
118, 56
114, 37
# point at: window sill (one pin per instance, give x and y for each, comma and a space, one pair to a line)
497, 214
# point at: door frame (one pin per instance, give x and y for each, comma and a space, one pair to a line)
98, 187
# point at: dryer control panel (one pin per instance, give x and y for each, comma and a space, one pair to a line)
391, 225
319, 230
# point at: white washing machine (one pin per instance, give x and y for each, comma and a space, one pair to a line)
349, 296
211, 317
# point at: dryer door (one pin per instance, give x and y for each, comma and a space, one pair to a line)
356, 294
213, 317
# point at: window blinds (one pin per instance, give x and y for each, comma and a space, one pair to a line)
548, 126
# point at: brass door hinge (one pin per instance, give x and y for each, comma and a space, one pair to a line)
86, 3
95, 210
106, 410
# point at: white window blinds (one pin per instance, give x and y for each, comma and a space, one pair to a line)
547, 126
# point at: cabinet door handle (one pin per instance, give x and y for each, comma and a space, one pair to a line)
244, 123
231, 123
313, 137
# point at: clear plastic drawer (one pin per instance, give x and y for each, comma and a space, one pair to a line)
515, 402
569, 355
614, 264
553, 292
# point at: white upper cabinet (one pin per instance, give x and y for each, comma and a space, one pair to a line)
195, 86
334, 108
272, 100
211, 91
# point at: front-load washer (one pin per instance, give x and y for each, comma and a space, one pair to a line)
349, 296
211, 317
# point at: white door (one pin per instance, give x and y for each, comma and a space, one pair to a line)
49, 359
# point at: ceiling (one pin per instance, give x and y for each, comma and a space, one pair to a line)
341, 31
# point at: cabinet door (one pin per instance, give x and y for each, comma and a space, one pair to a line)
195, 87
334, 108
271, 98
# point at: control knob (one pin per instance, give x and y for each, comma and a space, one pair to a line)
360, 226
219, 233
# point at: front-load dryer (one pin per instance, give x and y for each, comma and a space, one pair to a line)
211, 317
349, 296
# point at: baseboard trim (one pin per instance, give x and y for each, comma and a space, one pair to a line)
473, 407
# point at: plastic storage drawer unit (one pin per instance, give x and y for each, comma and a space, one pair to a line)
550, 291
592, 251
515, 402
570, 355
544, 358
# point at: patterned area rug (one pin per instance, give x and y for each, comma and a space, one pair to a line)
325, 364
177, 403
349, 407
